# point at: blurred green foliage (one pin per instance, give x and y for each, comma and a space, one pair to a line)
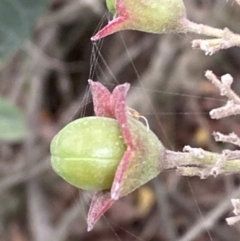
12, 123
17, 18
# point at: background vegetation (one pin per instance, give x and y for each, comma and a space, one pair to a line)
43, 86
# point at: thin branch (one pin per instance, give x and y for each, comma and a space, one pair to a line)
231, 138
224, 85
211, 46
223, 38
164, 210
229, 109
186, 206
202, 29
232, 107
38, 212
198, 162
207, 222
236, 211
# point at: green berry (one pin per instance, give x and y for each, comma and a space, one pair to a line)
87, 152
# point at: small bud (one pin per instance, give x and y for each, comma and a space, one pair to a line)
227, 79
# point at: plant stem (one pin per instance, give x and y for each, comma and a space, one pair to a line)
191, 164
202, 29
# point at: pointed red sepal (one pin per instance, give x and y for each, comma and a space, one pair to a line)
101, 99
101, 202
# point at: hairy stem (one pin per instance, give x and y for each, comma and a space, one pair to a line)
198, 162
202, 29
223, 38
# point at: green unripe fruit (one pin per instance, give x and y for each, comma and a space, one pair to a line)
87, 152
153, 16
111, 5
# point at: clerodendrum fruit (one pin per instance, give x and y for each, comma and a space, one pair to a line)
86, 152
